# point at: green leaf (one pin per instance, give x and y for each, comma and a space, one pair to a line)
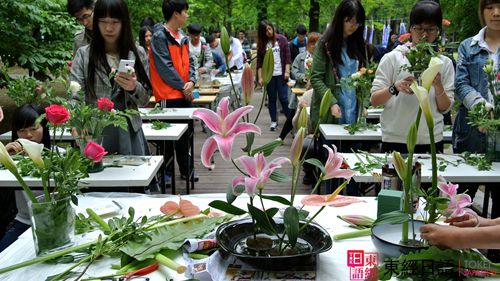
278, 199
170, 237
224, 40
271, 212
267, 148
268, 66
303, 214
226, 207
230, 197
278, 176
393, 217
317, 163
250, 138
266, 224
291, 220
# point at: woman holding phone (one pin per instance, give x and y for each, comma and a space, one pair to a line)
95, 63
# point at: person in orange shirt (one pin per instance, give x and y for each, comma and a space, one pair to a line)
172, 72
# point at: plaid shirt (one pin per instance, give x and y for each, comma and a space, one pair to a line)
284, 54
104, 88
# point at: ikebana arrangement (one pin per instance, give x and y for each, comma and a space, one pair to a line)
266, 235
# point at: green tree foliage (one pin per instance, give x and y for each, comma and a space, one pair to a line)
36, 35
463, 17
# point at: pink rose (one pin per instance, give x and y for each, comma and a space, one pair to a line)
203, 46
57, 114
94, 151
105, 104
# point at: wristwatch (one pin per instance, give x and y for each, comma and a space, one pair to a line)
393, 90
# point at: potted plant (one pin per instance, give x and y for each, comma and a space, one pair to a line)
266, 240
89, 121
52, 215
425, 65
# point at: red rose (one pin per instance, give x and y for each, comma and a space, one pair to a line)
498, 76
105, 104
94, 151
57, 114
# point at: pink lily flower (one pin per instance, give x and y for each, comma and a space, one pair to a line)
258, 171
333, 164
458, 206
448, 189
225, 126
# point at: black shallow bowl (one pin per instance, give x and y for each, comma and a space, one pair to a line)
229, 234
387, 237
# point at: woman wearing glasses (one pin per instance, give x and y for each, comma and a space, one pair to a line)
391, 86
339, 53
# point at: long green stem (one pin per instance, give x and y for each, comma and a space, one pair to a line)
407, 183
47, 257
238, 168
181, 220
264, 93
234, 89
267, 218
253, 221
98, 219
25, 187
353, 234
432, 208
311, 219
295, 176
46, 188
168, 262
62, 274
318, 183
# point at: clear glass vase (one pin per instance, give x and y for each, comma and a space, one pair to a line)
52, 224
361, 115
493, 146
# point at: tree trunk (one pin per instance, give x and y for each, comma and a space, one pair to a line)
229, 25
261, 10
314, 16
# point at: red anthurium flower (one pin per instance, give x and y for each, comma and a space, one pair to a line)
185, 208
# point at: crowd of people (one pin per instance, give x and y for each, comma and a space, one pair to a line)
168, 63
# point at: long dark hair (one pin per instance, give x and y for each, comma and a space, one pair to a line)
114, 9
334, 35
142, 36
25, 117
262, 38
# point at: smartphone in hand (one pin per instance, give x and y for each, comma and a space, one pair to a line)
123, 65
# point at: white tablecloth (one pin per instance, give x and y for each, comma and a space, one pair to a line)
332, 265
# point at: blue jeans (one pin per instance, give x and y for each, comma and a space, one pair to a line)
277, 88
13, 232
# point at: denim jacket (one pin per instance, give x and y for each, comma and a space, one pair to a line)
471, 87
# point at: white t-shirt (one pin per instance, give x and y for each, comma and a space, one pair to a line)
277, 58
237, 50
401, 111
194, 51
